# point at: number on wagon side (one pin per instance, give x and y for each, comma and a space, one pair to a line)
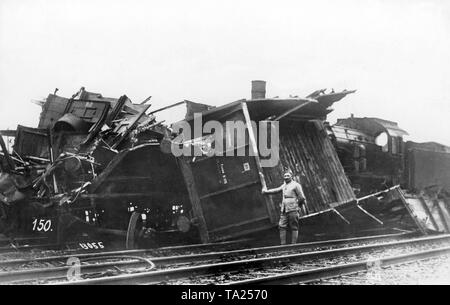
42, 225
94, 245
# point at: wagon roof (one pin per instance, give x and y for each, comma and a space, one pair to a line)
260, 109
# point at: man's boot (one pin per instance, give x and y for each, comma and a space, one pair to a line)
294, 237
282, 237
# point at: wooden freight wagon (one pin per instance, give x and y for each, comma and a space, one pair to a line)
225, 191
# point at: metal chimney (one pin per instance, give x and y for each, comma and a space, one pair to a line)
258, 89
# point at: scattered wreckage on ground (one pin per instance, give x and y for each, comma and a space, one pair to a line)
98, 167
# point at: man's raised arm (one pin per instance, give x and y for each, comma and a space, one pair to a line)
272, 191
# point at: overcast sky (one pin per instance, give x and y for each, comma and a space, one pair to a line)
395, 53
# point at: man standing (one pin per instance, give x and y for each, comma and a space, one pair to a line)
292, 198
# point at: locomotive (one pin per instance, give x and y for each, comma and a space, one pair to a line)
375, 156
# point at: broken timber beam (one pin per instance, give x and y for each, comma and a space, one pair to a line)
293, 110
340, 216
166, 107
8, 133
370, 215
254, 147
8, 158
132, 125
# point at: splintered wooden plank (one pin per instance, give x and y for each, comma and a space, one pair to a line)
270, 205
427, 210
298, 107
418, 212
6, 154
194, 198
435, 212
132, 125
445, 206
445, 215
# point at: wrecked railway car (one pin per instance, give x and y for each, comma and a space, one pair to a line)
99, 166
225, 188
104, 169
90, 162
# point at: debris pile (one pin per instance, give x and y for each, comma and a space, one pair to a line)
74, 142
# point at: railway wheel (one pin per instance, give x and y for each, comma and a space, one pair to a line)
135, 230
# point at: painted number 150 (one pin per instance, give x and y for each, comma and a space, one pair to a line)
43, 225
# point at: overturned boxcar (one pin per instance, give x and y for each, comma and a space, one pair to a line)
225, 187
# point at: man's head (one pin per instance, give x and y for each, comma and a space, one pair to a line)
287, 177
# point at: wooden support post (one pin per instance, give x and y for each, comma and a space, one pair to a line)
411, 212
445, 206
427, 209
8, 158
52, 159
340, 216
254, 146
441, 215
166, 107
146, 100
370, 215
194, 198
116, 110
378, 193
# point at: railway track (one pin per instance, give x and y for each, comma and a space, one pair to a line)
313, 275
55, 266
13, 250
234, 271
174, 262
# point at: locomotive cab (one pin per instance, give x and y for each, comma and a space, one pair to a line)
371, 151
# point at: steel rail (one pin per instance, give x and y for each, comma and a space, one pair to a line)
192, 258
154, 277
65, 257
313, 275
59, 272
62, 272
